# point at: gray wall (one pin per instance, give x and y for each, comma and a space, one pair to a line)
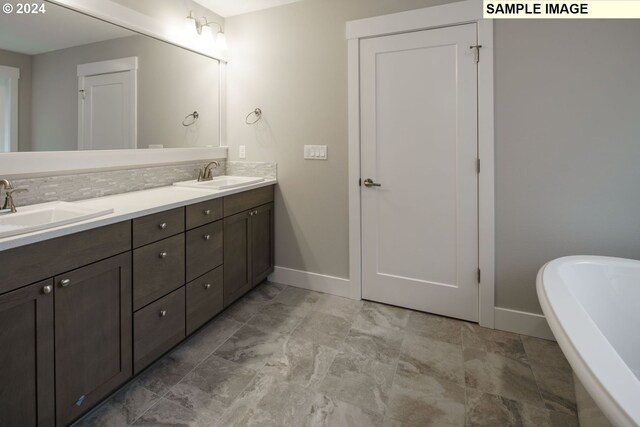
567, 135
172, 83
23, 62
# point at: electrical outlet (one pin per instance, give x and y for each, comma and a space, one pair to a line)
242, 152
315, 152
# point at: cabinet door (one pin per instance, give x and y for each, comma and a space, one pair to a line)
262, 244
93, 334
237, 256
26, 356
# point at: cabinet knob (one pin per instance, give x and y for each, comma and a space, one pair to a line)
251, 213
207, 212
65, 282
163, 254
47, 289
162, 225
163, 313
207, 285
206, 237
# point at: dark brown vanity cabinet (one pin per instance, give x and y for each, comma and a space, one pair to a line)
92, 334
248, 241
26, 356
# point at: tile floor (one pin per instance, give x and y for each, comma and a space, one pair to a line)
283, 356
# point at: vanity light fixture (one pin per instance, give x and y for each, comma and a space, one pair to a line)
202, 27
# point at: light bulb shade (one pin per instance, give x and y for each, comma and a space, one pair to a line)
190, 26
207, 33
221, 41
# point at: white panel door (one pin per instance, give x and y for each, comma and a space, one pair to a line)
107, 116
419, 142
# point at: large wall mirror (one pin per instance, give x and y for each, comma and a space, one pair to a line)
73, 82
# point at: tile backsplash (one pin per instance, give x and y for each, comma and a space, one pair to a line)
87, 185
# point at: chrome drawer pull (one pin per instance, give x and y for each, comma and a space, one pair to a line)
207, 285
47, 289
65, 282
163, 254
207, 212
206, 237
163, 313
162, 226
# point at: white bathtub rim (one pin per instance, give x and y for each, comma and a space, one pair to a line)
605, 375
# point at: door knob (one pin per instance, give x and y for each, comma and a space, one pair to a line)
369, 183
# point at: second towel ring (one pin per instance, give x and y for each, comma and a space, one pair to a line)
194, 119
257, 112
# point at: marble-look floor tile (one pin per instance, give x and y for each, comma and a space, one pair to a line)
436, 327
302, 362
324, 329
211, 387
344, 308
268, 401
433, 358
493, 341
166, 413
244, 309
492, 373
489, 410
376, 342
381, 315
211, 336
421, 400
122, 409
325, 411
358, 380
169, 370
268, 290
278, 317
252, 347
553, 374
298, 297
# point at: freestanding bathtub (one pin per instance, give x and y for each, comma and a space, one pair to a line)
592, 305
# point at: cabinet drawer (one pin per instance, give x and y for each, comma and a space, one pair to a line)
158, 268
204, 299
249, 199
204, 249
38, 261
157, 328
203, 213
152, 228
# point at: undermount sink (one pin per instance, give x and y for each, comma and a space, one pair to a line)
221, 182
46, 215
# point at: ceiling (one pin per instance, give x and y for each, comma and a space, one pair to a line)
35, 34
226, 8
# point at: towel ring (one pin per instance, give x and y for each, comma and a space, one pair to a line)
257, 112
194, 119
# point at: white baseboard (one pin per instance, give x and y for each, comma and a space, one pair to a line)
522, 322
312, 281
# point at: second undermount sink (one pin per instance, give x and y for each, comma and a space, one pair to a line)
221, 182
46, 215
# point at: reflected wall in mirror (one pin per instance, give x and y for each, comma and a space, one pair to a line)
69, 81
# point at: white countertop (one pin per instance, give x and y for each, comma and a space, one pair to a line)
127, 206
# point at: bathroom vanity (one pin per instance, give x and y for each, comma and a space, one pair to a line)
84, 311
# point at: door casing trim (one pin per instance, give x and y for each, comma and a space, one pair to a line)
469, 11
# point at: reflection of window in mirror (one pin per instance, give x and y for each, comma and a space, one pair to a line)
9, 108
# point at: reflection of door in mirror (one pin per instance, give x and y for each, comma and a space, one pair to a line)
9, 108
107, 104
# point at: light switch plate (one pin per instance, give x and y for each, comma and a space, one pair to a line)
242, 152
315, 152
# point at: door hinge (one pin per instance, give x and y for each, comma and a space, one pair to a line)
478, 165
82, 93
479, 276
476, 52
359, 182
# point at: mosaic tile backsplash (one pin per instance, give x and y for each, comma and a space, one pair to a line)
88, 185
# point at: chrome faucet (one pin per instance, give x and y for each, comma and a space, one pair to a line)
204, 174
9, 206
